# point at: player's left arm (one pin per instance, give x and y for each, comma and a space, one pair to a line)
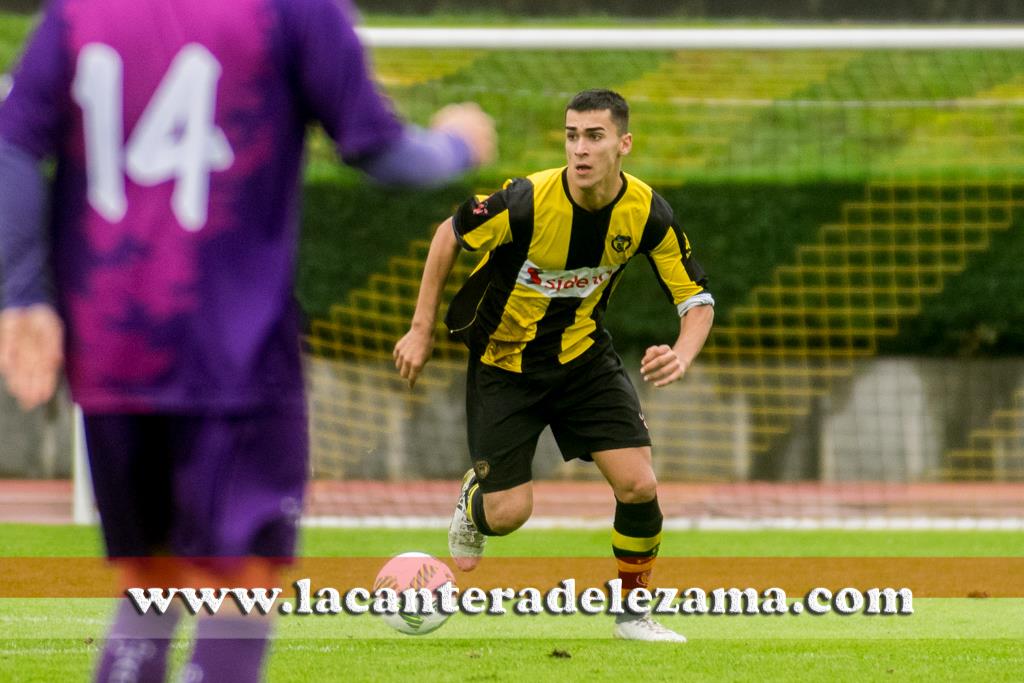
664, 364
461, 136
684, 281
332, 75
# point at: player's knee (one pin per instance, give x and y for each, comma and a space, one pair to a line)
638, 489
507, 513
506, 524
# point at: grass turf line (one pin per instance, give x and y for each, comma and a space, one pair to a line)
498, 650
33, 540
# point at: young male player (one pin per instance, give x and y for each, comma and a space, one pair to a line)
177, 127
555, 244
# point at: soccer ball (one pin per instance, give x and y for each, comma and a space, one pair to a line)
416, 571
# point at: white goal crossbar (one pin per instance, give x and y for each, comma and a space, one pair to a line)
910, 38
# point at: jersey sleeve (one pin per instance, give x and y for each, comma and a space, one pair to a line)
483, 223
333, 78
671, 257
32, 114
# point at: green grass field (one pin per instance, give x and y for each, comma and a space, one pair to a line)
945, 639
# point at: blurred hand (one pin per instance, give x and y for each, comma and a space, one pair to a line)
31, 353
469, 122
412, 352
661, 365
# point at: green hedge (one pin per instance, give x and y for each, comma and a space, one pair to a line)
350, 230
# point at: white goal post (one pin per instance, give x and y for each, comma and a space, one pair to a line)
914, 38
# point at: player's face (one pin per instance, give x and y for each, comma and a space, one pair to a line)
593, 148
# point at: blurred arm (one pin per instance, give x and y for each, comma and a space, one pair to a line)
31, 120
31, 333
403, 162
338, 91
462, 137
23, 244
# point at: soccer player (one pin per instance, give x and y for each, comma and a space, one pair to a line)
555, 244
162, 270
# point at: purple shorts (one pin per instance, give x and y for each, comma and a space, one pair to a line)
214, 486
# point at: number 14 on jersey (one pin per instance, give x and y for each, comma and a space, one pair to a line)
175, 139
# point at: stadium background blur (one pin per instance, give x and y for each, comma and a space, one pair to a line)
856, 210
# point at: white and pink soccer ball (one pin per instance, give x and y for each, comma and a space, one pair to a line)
415, 570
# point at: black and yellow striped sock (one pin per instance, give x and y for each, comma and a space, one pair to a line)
636, 537
475, 509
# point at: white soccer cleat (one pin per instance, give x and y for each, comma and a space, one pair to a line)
646, 628
465, 543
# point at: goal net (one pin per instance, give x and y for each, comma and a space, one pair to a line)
852, 195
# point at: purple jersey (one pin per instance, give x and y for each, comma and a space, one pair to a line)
178, 129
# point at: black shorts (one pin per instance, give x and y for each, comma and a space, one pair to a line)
591, 406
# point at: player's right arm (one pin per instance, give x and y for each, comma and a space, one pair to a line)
31, 332
480, 224
413, 350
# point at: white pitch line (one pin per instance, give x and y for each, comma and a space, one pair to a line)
868, 523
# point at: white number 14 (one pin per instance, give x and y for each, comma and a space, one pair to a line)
175, 138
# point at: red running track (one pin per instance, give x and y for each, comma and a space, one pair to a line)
39, 501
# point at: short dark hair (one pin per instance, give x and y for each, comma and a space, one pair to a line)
598, 99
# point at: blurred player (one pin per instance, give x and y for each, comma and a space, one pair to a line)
177, 127
555, 244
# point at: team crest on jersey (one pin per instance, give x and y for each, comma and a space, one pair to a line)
621, 243
480, 209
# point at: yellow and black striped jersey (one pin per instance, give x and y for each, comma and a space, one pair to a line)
538, 297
